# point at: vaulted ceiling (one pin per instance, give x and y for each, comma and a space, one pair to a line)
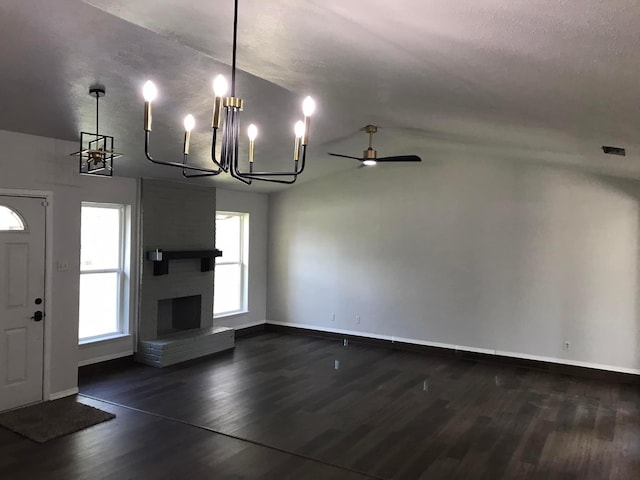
543, 80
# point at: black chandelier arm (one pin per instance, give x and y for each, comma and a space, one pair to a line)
234, 126
171, 164
214, 142
194, 175
258, 176
297, 171
271, 174
272, 180
246, 181
229, 155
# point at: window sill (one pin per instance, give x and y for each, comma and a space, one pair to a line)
103, 338
230, 314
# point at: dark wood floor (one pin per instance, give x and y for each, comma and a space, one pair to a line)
288, 406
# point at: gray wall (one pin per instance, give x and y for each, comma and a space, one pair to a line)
176, 216
488, 255
257, 206
35, 163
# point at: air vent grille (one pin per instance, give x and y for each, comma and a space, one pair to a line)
614, 150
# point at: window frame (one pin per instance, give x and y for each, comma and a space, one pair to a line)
243, 263
121, 271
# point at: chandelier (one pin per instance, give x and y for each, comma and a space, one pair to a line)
96, 152
228, 161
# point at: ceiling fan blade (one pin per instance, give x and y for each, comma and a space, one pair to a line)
400, 158
344, 156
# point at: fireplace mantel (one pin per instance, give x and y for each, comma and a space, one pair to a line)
160, 259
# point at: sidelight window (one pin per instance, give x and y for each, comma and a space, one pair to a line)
102, 271
231, 273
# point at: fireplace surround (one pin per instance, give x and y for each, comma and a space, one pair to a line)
176, 307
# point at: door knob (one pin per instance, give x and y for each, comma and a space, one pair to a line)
37, 316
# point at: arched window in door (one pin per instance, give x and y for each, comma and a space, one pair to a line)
10, 220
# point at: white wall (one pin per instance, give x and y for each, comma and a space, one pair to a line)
486, 255
257, 205
35, 163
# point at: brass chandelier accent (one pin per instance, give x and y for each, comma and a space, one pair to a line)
96, 152
232, 105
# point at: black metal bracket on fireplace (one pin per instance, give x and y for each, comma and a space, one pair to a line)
160, 259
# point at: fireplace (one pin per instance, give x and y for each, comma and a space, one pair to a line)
182, 329
176, 290
176, 314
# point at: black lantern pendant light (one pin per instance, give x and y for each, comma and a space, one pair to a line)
96, 152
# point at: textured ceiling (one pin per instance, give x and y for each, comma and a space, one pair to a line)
544, 80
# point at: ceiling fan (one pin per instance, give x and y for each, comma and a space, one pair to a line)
370, 156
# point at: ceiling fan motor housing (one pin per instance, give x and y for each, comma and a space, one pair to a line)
369, 153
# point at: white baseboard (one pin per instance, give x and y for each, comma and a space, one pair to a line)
462, 348
104, 358
63, 393
573, 363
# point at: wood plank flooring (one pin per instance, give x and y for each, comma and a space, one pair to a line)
140, 446
303, 407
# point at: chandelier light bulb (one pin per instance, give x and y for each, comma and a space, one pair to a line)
220, 86
299, 129
149, 91
252, 131
308, 106
370, 163
189, 123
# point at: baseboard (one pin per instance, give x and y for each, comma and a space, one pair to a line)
555, 365
63, 393
104, 358
249, 329
570, 363
116, 364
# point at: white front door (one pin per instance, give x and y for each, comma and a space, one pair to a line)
22, 316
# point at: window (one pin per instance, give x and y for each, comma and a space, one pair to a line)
10, 220
232, 237
102, 271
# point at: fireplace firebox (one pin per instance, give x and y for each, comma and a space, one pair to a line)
175, 314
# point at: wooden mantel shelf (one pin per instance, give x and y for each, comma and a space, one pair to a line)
160, 259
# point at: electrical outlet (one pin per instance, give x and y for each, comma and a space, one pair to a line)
357, 319
566, 345
62, 265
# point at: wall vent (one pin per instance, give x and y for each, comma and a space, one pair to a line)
614, 150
